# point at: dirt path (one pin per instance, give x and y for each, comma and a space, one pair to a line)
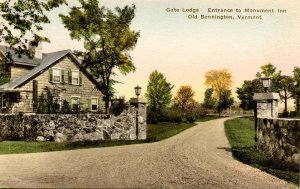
196, 158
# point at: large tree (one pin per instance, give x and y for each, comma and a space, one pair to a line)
158, 92
296, 91
226, 100
21, 22
209, 100
107, 38
246, 93
219, 81
284, 85
184, 98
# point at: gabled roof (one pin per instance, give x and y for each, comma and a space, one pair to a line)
47, 61
23, 60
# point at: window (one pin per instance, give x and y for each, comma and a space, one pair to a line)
75, 77
4, 101
94, 104
75, 104
56, 75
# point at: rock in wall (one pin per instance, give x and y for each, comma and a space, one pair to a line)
280, 139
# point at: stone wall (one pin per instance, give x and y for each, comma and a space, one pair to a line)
279, 138
73, 127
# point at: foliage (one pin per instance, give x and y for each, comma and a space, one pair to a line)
246, 93
226, 100
240, 133
158, 92
219, 81
24, 19
107, 40
153, 117
118, 106
268, 70
296, 91
184, 98
66, 107
4, 79
197, 111
209, 100
284, 85
173, 115
46, 103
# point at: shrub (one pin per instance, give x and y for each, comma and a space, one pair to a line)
197, 111
118, 106
173, 115
66, 108
152, 117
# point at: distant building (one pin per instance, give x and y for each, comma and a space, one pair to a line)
235, 109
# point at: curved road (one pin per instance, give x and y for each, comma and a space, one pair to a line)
196, 158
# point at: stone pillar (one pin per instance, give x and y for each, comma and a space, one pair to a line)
267, 104
140, 115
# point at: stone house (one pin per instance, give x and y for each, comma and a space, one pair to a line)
60, 72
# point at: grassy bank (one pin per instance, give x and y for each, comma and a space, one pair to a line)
155, 132
240, 133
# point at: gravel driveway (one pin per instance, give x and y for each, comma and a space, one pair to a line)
199, 157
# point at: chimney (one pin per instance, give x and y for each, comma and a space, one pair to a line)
36, 50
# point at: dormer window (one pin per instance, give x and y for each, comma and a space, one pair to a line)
56, 75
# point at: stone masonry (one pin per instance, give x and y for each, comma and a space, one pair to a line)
279, 138
74, 127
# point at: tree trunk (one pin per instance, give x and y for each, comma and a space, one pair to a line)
298, 106
285, 103
107, 105
219, 109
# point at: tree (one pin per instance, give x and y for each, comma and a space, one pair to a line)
296, 91
158, 92
209, 100
219, 81
23, 19
284, 85
246, 93
268, 69
107, 40
184, 98
226, 100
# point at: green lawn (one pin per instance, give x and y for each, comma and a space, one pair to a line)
207, 118
155, 132
240, 133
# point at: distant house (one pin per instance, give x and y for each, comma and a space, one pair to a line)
59, 71
235, 109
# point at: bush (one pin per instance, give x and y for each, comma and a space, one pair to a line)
197, 111
118, 106
66, 108
173, 115
152, 117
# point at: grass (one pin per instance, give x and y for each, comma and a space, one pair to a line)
207, 118
155, 132
240, 133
